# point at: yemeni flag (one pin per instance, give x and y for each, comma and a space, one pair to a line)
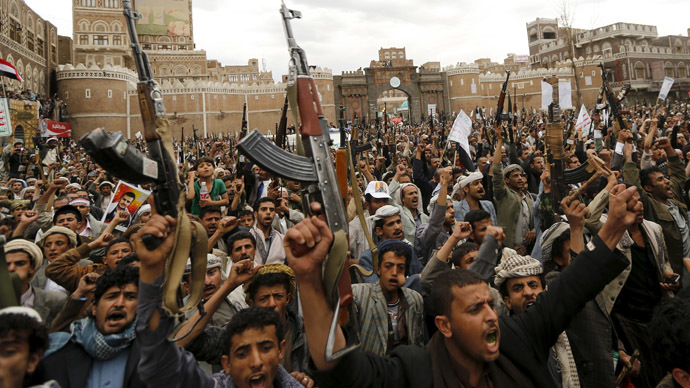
7, 70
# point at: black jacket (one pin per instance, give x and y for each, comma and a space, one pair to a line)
71, 366
526, 339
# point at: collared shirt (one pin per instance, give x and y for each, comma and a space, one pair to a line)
87, 230
28, 298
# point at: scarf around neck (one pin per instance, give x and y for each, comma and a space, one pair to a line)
100, 347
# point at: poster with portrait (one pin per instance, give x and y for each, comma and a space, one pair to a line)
127, 198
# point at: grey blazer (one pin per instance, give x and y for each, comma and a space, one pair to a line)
48, 304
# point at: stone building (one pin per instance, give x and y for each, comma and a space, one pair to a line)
431, 89
30, 43
633, 53
99, 86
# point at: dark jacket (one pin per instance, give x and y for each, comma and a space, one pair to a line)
71, 366
526, 339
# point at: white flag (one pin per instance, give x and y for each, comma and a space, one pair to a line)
462, 127
564, 94
665, 88
584, 122
138, 134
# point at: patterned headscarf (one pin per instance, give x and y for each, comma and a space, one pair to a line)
515, 266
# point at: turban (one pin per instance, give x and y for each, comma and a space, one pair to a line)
71, 236
515, 266
434, 199
272, 268
512, 168
212, 261
80, 201
18, 203
385, 211
475, 176
27, 247
106, 183
549, 236
20, 310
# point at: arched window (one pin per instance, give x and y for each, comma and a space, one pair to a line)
100, 26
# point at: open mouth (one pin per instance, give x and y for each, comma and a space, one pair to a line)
530, 303
258, 381
116, 316
492, 337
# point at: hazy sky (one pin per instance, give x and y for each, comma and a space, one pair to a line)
346, 34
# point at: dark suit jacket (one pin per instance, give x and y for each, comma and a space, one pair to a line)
71, 366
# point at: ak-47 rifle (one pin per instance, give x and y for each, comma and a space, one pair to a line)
554, 147
319, 183
281, 131
502, 99
243, 131
123, 160
614, 102
341, 124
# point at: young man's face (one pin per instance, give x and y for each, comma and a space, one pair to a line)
275, 297
69, 221
20, 263
17, 187
391, 272
410, 197
210, 222
125, 201
522, 293
475, 189
265, 214
247, 220
106, 189
515, 181
83, 209
55, 245
537, 164
375, 204
15, 359
450, 217
391, 229
212, 282
242, 249
479, 230
116, 253
467, 259
661, 186
204, 169
17, 212
254, 357
472, 326
116, 309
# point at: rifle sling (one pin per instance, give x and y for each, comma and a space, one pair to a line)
292, 101
360, 215
188, 243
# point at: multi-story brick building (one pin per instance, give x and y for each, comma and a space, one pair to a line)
633, 53
201, 93
30, 43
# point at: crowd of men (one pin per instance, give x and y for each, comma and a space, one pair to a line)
463, 276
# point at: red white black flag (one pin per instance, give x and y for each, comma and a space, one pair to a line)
7, 70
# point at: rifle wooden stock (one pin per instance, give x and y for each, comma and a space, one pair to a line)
148, 111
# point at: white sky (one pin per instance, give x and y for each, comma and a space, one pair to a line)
346, 34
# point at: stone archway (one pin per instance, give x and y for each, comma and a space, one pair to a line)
359, 90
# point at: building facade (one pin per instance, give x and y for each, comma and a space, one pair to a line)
30, 43
632, 53
99, 86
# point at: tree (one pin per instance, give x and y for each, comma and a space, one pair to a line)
565, 21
